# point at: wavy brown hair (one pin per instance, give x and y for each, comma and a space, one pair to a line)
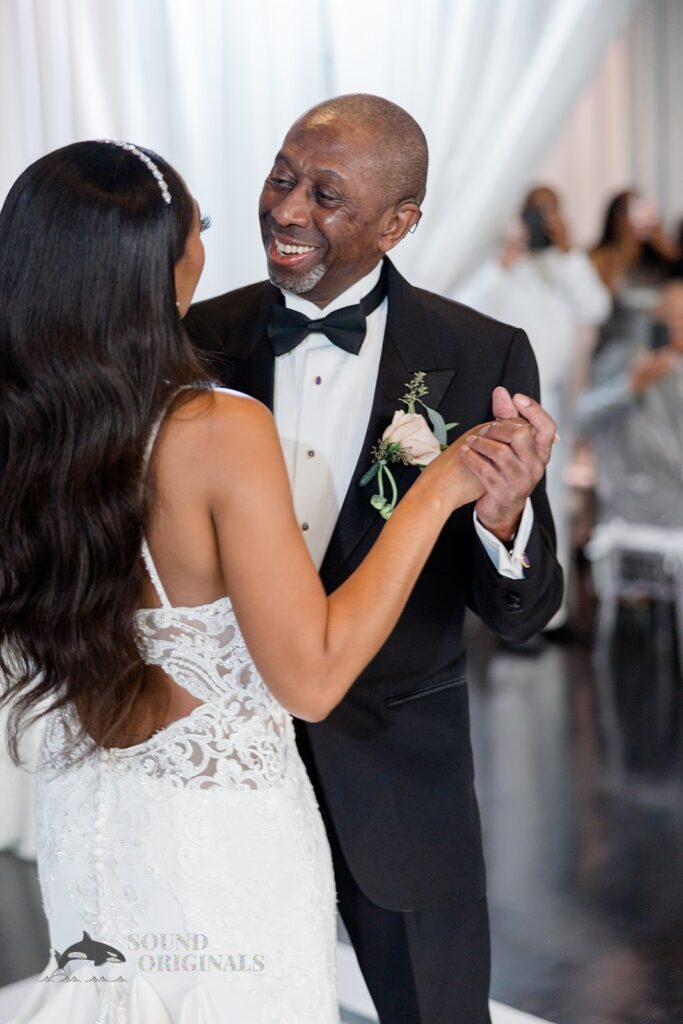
92, 350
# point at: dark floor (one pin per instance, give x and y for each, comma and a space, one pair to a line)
24, 944
584, 838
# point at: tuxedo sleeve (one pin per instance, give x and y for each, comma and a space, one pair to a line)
516, 609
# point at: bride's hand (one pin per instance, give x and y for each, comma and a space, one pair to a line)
448, 473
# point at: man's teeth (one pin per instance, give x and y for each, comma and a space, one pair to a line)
289, 250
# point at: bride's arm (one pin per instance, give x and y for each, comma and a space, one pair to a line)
309, 647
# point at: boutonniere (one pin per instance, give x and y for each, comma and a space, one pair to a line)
409, 440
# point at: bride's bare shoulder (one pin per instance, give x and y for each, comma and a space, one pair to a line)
218, 417
219, 408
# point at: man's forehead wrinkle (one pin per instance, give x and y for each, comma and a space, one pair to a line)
326, 172
365, 162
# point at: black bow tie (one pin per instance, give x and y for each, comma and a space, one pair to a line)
344, 328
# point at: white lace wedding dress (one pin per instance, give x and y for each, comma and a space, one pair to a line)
191, 872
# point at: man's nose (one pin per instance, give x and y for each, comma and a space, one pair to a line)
293, 208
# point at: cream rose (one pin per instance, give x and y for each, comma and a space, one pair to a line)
412, 432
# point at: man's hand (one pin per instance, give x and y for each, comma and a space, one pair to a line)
509, 470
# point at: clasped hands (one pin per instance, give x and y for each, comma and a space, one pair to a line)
509, 457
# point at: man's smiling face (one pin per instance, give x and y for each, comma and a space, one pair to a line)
322, 211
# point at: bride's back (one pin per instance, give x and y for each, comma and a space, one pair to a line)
180, 531
184, 593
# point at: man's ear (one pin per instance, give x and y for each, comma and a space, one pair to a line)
399, 221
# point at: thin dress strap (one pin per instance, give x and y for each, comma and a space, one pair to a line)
146, 553
154, 575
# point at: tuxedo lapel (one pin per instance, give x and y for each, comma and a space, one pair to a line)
405, 350
254, 366
256, 375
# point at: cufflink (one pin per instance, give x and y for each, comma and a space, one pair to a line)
521, 558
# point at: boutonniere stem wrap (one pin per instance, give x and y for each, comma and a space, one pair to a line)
408, 439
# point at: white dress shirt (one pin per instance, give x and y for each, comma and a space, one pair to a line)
322, 402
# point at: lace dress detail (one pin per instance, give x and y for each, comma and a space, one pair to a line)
199, 855
240, 735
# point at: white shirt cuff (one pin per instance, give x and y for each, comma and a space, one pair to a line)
508, 563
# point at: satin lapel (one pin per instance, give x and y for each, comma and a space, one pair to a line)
357, 516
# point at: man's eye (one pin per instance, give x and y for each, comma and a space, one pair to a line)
326, 197
280, 182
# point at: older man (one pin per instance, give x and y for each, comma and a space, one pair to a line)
329, 343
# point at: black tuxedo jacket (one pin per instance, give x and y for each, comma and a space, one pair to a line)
392, 763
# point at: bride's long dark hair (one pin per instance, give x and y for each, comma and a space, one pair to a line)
91, 351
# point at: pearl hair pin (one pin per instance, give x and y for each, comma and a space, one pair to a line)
130, 148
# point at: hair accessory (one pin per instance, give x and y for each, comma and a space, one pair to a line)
161, 181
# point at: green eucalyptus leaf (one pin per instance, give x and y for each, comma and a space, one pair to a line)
449, 426
370, 475
438, 425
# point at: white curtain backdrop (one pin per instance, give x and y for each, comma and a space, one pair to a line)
213, 85
626, 129
492, 83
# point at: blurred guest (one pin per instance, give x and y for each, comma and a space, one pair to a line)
540, 282
635, 250
634, 257
633, 412
677, 265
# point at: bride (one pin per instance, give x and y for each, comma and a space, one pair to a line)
157, 598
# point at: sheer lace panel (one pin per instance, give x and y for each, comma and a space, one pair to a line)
238, 737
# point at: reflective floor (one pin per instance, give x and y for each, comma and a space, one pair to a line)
24, 942
584, 841
582, 808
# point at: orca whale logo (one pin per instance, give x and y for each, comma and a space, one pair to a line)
88, 949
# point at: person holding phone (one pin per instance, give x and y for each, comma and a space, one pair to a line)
542, 282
